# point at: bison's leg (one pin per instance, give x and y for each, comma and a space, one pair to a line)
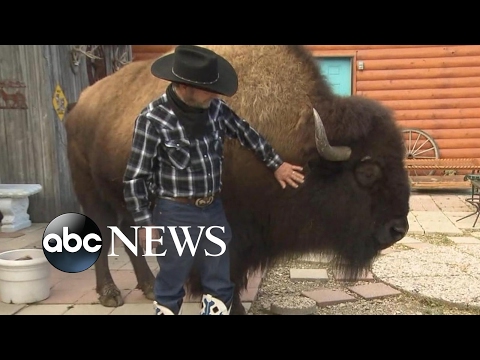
109, 293
142, 271
103, 215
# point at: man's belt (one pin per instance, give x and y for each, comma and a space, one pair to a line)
197, 201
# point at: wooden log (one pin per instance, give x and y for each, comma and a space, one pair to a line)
404, 84
457, 143
145, 56
453, 72
423, 63
442, 144
147, 52
360, 47
454, 134
151, 48
417, 94
427, 124
419, 52
460, 153
432, 104
437, 114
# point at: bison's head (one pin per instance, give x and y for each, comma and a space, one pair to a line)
355, 200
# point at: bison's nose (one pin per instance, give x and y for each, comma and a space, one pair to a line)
395, 231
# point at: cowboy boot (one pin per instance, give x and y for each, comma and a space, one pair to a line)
161, 310
213, 306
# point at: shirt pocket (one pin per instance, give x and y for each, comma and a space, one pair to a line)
217, 139
178, 152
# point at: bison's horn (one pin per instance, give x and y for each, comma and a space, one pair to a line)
331, 153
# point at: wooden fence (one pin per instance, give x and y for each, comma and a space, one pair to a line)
37, 82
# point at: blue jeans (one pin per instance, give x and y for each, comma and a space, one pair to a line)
175, 268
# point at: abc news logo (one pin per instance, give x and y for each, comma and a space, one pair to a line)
72, 242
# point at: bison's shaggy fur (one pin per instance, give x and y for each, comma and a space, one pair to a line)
350, 209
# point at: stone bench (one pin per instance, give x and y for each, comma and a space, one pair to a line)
14, 205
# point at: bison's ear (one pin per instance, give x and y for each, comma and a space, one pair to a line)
368, 172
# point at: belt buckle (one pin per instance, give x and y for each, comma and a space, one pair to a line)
202, 202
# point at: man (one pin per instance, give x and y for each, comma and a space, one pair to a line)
177, 154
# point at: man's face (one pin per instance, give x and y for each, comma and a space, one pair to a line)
199, 98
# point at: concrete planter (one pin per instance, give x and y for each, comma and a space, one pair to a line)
24, 276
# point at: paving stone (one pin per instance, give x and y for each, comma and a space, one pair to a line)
11, 235
116, 263
136, 296
134, 309
293, 305
28, 240
10, 309
49, 309
466, 222
414, 227
91, 297
451, 203
374, 291
308, 274
464, 239
420, 202
434, 222
89, 309
327, 297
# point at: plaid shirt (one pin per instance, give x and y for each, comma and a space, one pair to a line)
164, 161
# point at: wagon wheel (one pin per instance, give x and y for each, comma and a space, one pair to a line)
419, 145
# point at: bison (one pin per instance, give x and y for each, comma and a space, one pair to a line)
355, 198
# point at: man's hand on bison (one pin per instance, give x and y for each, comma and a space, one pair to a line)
288, 174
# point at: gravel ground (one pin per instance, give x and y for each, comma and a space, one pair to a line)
277, 288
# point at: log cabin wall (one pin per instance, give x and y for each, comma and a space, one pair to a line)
434, 88
145, 52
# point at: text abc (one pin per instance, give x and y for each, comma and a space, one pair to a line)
64, 242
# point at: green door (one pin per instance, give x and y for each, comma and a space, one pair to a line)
338, 71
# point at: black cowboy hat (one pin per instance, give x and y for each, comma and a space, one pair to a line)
198, 67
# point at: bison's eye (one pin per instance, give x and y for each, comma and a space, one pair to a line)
367, 173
